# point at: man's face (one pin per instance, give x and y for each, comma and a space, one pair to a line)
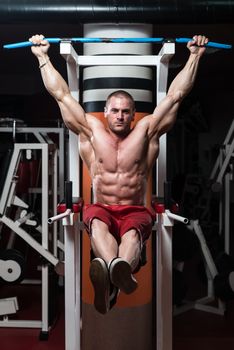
119, 114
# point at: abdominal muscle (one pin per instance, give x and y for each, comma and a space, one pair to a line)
120, 188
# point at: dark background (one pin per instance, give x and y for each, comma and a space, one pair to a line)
193, 145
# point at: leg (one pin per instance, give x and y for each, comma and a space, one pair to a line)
105, 249
121, 268
130, 248
103, 243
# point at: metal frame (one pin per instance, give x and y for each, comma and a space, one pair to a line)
41, 135
164, 229
206, 303
222, 177
9, 198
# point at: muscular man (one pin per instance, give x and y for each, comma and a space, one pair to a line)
119, 159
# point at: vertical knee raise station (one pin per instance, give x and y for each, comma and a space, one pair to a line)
163, 225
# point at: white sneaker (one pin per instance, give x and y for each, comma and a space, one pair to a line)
121, 276
99, 276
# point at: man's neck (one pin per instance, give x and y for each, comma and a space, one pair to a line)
118, 137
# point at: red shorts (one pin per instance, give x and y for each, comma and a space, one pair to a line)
120, 219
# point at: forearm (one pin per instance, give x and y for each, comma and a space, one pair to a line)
184, 81
52, 79
164, 115
166, 111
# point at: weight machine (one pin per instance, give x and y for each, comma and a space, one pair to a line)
218, 282
221, 177
23, 219
73, 227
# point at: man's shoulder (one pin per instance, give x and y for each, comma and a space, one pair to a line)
144, 121
94, 120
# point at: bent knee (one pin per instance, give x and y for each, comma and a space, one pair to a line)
99, 229
131, 235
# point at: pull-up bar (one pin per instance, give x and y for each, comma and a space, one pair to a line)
117, 40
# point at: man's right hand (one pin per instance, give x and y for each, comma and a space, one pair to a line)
40, 46
197, 45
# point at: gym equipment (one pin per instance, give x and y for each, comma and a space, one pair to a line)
20, 224
221, 178
68, 206
220, 278
117, 40
165, 218
215, 270
163, 226
12, 266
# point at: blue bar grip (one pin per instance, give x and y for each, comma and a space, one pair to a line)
115, 40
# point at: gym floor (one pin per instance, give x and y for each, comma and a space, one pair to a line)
192, 329
195, 330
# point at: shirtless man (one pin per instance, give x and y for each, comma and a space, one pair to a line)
119, 160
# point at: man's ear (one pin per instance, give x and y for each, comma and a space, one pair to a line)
105, 111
